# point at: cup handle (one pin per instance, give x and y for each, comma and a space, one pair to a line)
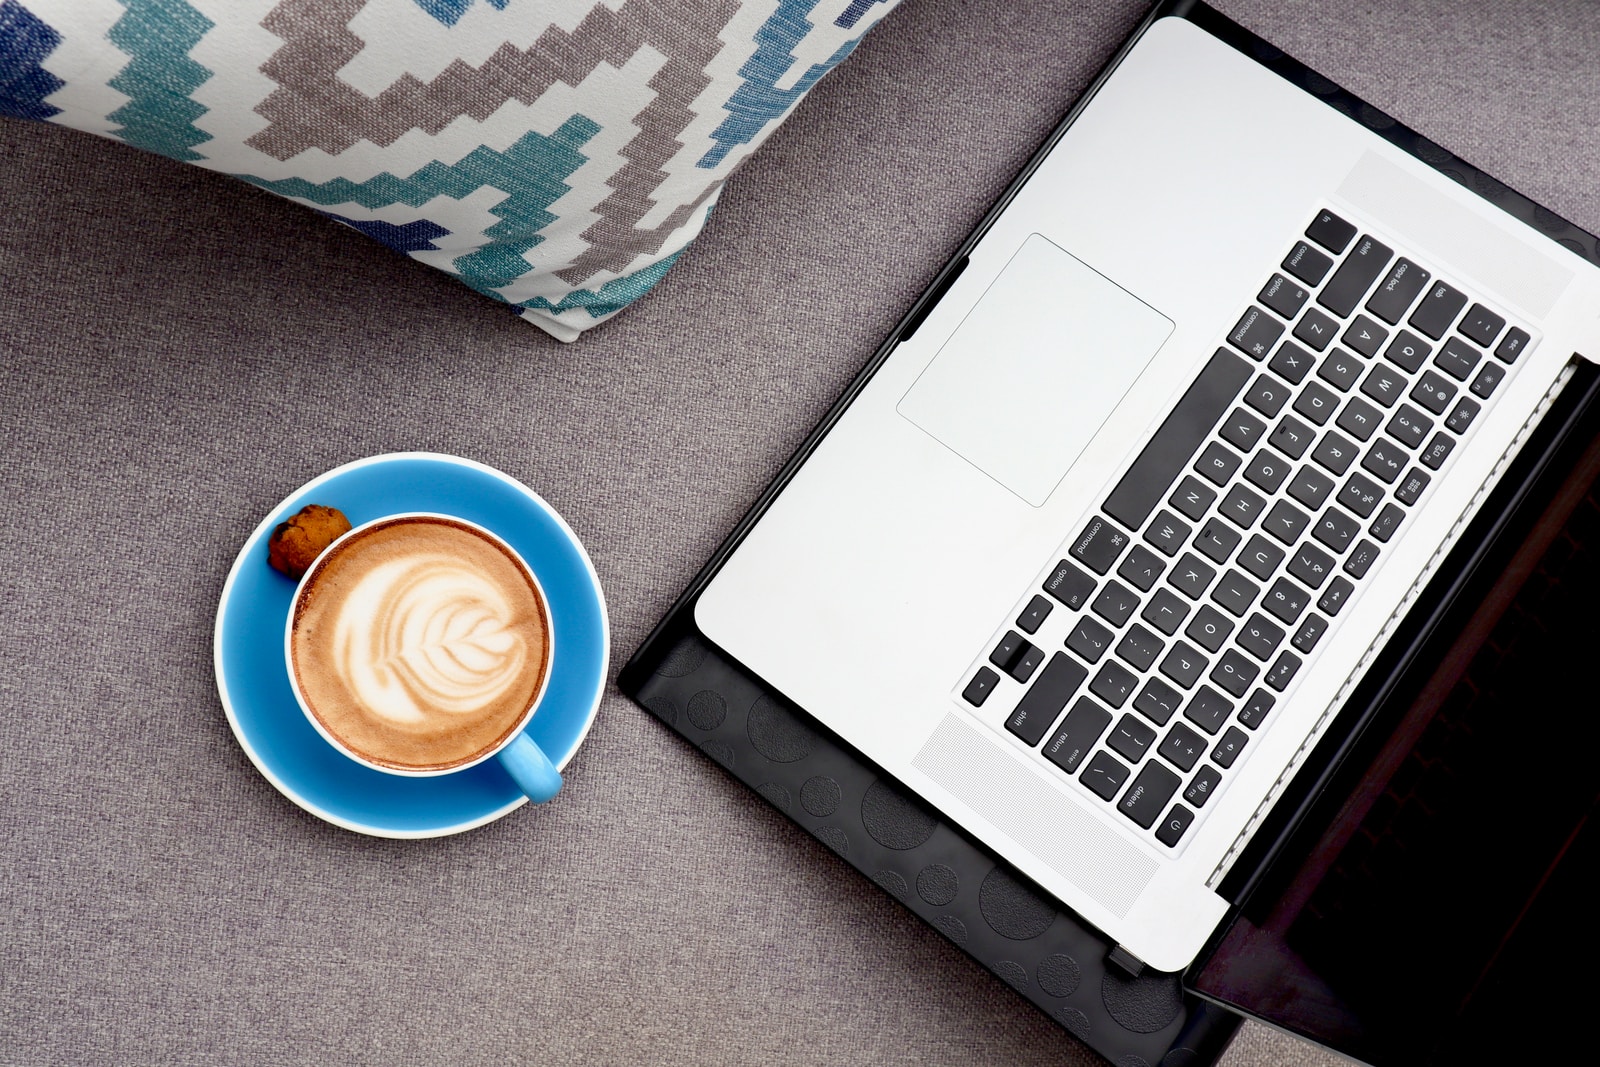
532, 770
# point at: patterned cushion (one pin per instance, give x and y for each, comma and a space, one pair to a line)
556, 155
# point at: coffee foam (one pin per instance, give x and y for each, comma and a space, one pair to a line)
419, 644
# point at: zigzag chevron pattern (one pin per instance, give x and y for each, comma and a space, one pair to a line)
556, 155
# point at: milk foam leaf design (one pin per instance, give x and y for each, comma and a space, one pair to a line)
426, 639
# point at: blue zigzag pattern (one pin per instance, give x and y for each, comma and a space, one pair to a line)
160, 78
25, 42
532, 173
852, 14
759, 100
415, 236
449, 12
614, 295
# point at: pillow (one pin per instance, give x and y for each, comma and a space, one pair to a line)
556, 155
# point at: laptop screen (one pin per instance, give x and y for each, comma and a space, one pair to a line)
1437, 906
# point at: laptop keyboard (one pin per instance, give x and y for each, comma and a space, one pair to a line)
1221, 559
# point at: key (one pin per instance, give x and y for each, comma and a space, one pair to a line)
1292, 363
1229, 747
1217, 463
1283, 296
1335, 595
1182, 747
1387, 522
1261, 557
1384, 460
1481, 325
1307, 264
1104, 775
1147, 797
1311, 565
1204, 783
1261, 637
1355, 276
1267, 395
1173, 824
1142, 568
1411, 486
1438, 450
1167, 532
1099, 545
1140, 647
1181, 433
1033, 615
1466, 410
1089, 639
1335, 529
1334, 452
1359, 419
1235, 593
1365, 336
1360, 495
1256, 333
1157, 701
1044, 699
1079, 731
1115, 604
1285, 522
1266, 470
1408, 351
1217, 540
1183, 665
1242, 430
1340, 369
1409, 426
1362, 557
1114, 683
1383, 385
1511, 346
1311, 487
1330, 231
1025, 664
1241, 506
982, 684
1190, 576
1397, 290
1209, 628
1008, 650
1234, 673
1207, 710
1292, 437
1286, 601
1282, 672
1316, 403
1131, 739
1457, 358
1488, 380
1438, 310
1069, 585
1310, 632
1316, 329
1192, 498
1255, 710
1165, 611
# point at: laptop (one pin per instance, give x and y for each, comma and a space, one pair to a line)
1096, 554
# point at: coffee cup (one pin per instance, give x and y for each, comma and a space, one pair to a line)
421, 644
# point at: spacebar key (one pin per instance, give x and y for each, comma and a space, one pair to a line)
1044, 700
1169, 451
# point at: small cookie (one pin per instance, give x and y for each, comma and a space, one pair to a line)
295, 545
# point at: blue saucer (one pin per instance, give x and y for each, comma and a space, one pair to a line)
254, 683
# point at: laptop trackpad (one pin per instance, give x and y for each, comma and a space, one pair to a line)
1032, 373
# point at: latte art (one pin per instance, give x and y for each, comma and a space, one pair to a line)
419, 644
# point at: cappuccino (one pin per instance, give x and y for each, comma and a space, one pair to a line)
419, 643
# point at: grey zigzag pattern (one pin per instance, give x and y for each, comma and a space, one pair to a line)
313, 108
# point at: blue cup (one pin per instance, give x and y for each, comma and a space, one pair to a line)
517, 753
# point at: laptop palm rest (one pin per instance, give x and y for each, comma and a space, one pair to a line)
1031, 374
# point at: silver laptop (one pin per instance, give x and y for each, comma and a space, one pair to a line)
1093, 559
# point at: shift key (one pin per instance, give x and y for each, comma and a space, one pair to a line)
1044, 700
